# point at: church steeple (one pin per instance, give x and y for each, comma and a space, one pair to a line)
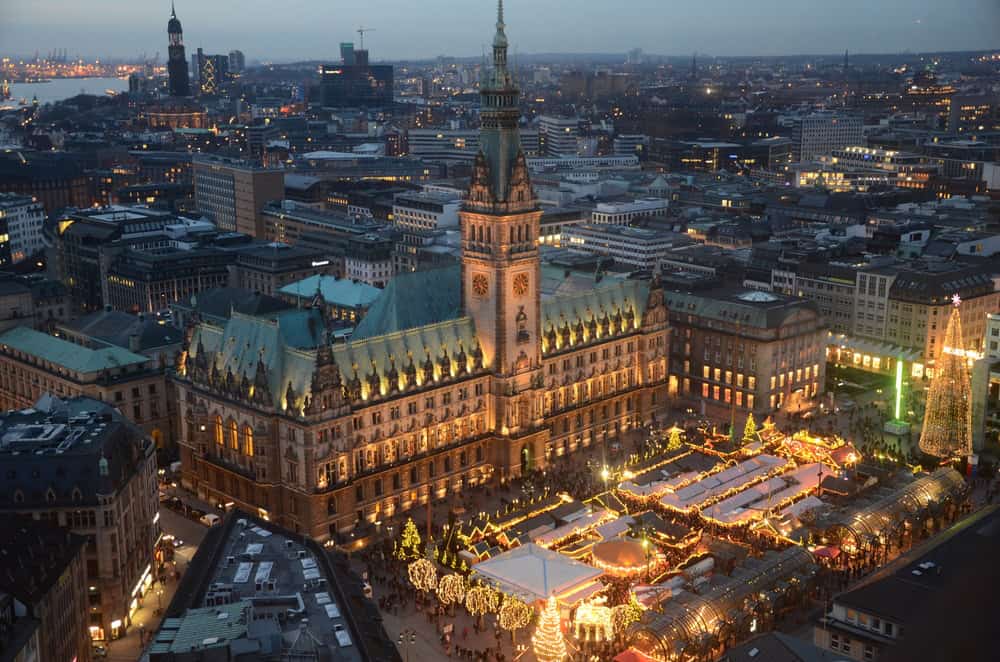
177, 68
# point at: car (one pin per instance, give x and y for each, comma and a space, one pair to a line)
210, 519
177, 543
99, 650
174, 503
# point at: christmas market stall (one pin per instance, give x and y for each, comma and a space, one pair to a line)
692, 626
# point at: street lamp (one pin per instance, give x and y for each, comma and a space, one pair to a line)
407, 639
605, 475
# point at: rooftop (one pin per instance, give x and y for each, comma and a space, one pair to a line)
33, 556
68, 355
257, 588
335, 291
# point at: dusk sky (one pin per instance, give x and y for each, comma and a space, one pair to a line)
311, 29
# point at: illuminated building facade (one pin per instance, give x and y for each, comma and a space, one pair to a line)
453, 377
746, 351
79, 464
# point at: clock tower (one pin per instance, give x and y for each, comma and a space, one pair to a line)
500, 264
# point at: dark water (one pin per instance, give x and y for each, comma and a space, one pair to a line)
64, 88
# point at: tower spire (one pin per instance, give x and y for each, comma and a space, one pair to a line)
173, 12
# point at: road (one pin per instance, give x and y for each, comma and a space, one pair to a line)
146, 619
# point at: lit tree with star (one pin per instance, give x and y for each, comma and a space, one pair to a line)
947, 430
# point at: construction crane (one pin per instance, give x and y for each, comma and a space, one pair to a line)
361, 32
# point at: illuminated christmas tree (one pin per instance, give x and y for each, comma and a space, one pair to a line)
947, 428
409, 546
750, 430
548, 642
674, 439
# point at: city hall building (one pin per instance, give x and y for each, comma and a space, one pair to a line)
455, 376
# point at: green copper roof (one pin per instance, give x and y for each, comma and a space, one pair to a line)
397, 349
411, 300
284, 342
606, 296
335, 291
66, 354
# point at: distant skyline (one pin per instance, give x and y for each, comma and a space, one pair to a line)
312, 29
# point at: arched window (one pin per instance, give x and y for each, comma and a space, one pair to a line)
234, 441
248, 440
218, 430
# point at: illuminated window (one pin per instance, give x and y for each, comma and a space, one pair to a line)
248, 440
233, 435
218, 430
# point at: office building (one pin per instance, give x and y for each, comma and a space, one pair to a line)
358, 84
735, 350
55, 179
232, 192
179, 84
237, 62
21, 221
34, 363
267, 267
235, 602
454, 376
458, 145
211, 72
974, 113
427, 209
77, 463
632, 248
627, 212
43, 586
820, 133
557, 136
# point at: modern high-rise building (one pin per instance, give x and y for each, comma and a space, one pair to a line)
821, 133
557, 136
237, 62
211, 70
355, 82
232, 192
177, 68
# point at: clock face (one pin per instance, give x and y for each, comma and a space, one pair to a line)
480, 285
520, 284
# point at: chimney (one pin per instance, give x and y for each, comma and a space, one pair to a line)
133, 342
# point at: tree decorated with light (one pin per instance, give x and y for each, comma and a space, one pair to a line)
548, 642
625, 614
674, 439
451, 589
423, 575
750, 430
409, 544
481, 600
947, 430
514, 614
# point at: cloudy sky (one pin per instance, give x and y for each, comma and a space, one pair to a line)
311, 29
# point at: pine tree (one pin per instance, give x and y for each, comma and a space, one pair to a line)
947, 430
750, 430
409, 546
548, 642
674, 440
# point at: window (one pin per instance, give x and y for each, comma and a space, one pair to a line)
248, 441
218, 430
869, 652
234, 442
413, 475
359, 492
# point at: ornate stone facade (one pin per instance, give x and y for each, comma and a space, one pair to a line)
533, 364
